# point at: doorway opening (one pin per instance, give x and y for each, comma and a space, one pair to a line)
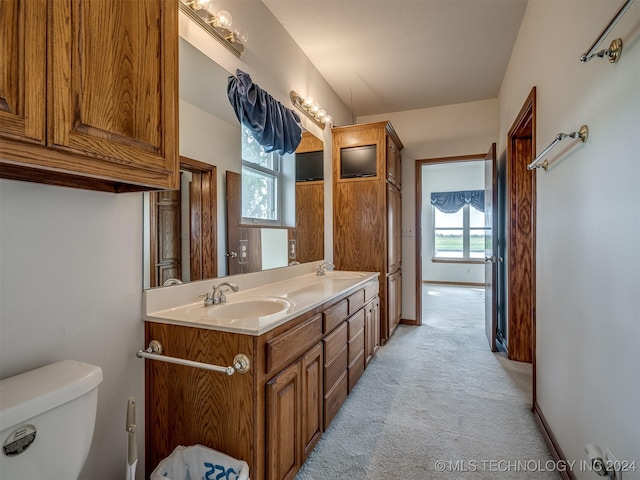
450, 233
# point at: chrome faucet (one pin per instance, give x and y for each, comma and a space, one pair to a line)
217, 295
322, 269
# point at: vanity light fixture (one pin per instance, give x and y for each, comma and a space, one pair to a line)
311, 109
218, 25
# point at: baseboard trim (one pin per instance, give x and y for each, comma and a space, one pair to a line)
405, 321
462, 284
552, 443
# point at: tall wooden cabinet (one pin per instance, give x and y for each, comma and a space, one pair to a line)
309, 231
367, 213
89, 93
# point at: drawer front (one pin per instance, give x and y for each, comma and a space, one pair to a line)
356, 369
356, 300
334, 369
334, 399
356, 346
285, 348
335, 315
335, 342
356, 323
371, 291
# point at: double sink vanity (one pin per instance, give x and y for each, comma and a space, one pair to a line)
307, 339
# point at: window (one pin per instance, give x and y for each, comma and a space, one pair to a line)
460, 234
261, 182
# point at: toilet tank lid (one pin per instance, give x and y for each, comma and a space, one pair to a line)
31, 393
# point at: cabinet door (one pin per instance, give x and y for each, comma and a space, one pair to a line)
312, 393
284, 426
22, 69
113, 87
372, 329
394, 228
394, 166
394, 300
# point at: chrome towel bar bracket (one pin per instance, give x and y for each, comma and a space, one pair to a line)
241, 362
581, 134
615, 49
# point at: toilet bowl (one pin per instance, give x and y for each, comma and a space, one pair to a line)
47, 418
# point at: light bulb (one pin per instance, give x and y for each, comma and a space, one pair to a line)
327, 119
201, 4
240, 36
308, 101
314, 108
224, 19
321, 113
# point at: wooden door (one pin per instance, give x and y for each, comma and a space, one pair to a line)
491, 246
113, 93
312, 396
203, 219
521, 247
284, 426
165, 251
23, 69
244, 244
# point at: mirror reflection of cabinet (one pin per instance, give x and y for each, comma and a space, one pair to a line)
309, 232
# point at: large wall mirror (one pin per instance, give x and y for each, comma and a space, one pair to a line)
193, 234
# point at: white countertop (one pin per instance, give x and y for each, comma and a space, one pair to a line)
297, 295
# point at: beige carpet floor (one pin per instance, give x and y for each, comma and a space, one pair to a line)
435, 402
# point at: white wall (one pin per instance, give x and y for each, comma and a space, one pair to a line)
453, 130
448, 177
588, 223
71, 260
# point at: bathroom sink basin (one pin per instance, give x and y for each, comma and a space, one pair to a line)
243, 308
341, 275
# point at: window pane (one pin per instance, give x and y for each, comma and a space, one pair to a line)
253, 152
448, 220
477, 244
258, 195
476, 218
449, 243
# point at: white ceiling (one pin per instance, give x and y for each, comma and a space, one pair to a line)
383, 56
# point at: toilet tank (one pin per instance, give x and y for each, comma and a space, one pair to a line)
47, 417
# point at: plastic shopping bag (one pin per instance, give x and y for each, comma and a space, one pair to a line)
200, 463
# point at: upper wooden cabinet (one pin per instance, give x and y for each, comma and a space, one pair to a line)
89, 93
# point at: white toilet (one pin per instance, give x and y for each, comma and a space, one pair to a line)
47, 417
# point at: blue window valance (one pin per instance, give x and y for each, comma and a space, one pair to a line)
451, 202
274, 126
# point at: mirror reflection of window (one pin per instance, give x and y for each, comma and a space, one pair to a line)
260, 181
268, 181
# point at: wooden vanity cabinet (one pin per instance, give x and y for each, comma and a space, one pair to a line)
88, 98
294, 414
273, 416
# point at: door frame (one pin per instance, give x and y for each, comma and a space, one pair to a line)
479, 157
521, 289
203, 223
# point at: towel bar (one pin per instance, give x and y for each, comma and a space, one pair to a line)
241, 362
